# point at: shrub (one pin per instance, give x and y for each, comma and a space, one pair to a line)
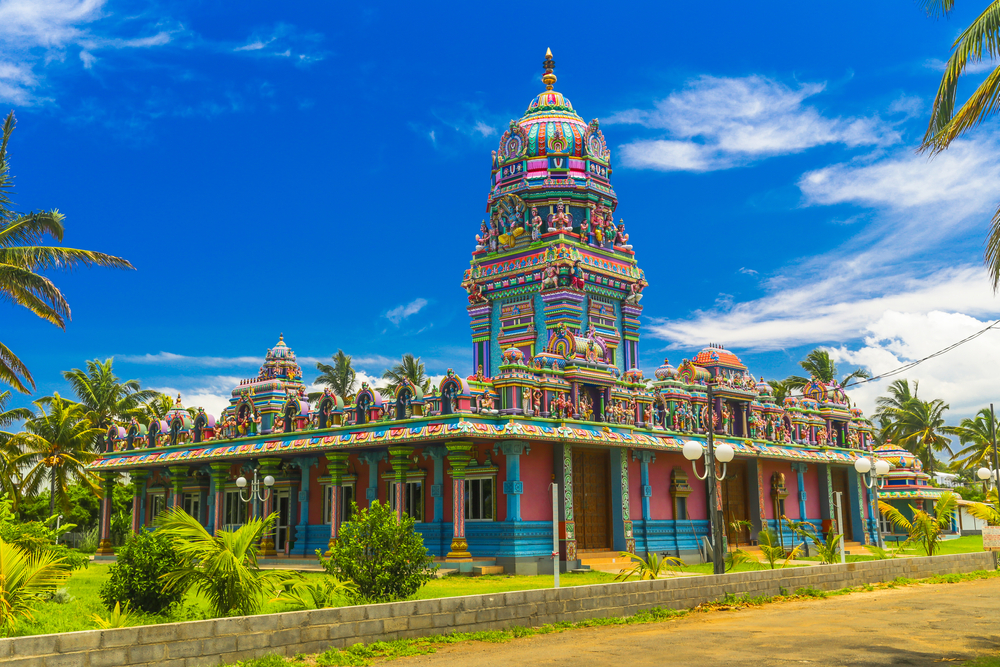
223, 567
134, 579
37, 538
89, 542
384, 556
26, 580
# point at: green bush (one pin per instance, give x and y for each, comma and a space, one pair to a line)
134, 579
37, 538
384, 556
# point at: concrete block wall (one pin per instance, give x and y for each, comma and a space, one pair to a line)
226, 640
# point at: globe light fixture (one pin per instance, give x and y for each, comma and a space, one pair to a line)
255, 492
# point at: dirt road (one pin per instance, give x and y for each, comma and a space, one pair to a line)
915, 625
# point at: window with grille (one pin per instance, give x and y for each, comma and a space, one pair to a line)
236, 510
413, 499
346, 498
480, 499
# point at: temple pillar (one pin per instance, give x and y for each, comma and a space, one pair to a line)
645, 457
305, 464
513, 487
399, 458
800, 471
459, 456
372, 457
855, 505
755, 497
268, 467
178, 475
107, 485
138, 497
437, 453
336, 465
827, 503
563, 476
220, 475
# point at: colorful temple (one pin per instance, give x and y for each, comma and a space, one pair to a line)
554, 397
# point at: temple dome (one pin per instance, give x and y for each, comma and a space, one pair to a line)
718, 356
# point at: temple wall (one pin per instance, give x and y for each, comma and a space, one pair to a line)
660, 503
634, 487
536, 473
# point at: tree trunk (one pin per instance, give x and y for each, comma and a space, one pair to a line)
52, 491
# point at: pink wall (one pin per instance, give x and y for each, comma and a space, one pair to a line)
661, 504
536, 473
812, 491
767, 468
634, 487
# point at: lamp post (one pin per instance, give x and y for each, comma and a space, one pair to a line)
255, 493
873, 482
724, 454
985, 474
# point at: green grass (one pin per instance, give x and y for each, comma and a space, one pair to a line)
982, 661
52, 617
361, 655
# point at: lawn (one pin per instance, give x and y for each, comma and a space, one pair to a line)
83, 586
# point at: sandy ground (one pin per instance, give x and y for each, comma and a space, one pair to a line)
915, 625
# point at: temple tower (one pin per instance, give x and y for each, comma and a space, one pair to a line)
550, 260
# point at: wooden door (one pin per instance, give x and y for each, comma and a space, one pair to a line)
591, 504
839, 478
734, 502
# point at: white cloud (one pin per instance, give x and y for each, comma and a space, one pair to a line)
964, 176
959, 377
719, 123
974, 67
747, 272
827, 310
183, 360
400, 313
483, 129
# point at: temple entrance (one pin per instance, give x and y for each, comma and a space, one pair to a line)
591, 503
734, 502
839, 478
282, 505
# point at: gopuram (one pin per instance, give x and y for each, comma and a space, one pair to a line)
553, 396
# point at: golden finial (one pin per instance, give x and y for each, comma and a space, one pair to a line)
548, 78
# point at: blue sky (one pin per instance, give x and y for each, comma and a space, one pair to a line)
321, 170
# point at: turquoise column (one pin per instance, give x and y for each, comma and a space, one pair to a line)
305, 464
372, 458
513, 487
437, 454
645, 457
800, 470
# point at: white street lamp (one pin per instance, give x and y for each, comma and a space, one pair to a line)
255, 492
873, 481
723, 454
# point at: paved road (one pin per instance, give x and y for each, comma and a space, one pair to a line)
916, 625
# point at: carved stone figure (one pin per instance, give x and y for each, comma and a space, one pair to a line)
536, 224
560, 220
550, 280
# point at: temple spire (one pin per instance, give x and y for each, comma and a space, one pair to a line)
548, 78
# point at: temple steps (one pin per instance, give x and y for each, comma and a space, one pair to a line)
605, 561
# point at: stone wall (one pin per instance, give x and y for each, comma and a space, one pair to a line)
220, 641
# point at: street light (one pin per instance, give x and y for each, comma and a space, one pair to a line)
255, 493
724, 454
873, 481
986, 474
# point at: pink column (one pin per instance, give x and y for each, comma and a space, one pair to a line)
104, 545
459, 456
220, 475
138, 493
336, 465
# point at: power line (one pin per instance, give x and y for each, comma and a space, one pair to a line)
912, 364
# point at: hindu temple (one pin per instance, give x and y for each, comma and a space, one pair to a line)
552, 395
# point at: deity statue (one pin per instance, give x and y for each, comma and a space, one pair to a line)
475, 294
536, 401
585, 229
536, 224
621, 238
635, 293
494, 235
560, 220
550, 280
483, 237
525, 401
647, 415
821, 437
579, 279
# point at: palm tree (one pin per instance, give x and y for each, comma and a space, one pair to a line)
106, 398
21, 259
10, 481
341, 377
975, 433
57, 443
156, 408
780, 390
924, 528
222, 568
28, 579
947, 124
920, 429
410, 368
889, 407
821, 366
